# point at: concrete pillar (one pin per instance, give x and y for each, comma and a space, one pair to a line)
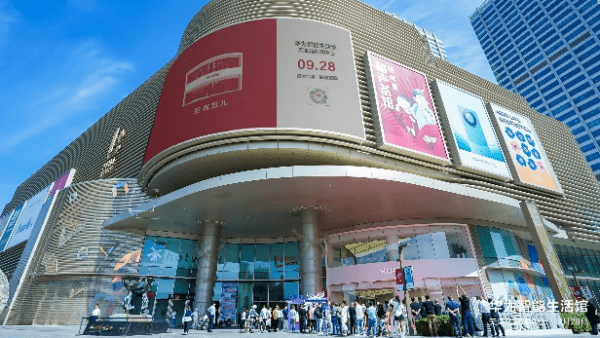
310, 254
391, 247
552, 268
207, 265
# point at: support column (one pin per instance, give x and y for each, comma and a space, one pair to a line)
207, 265
552, 268
391, 247
310, 254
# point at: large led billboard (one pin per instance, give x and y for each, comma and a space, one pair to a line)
529, 164
29, 216
406, 119
473, 139
271, 73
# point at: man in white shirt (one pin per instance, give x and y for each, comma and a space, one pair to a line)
95, 313
484, 308
360, 315
211, 316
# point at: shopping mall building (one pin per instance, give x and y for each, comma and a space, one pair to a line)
285, 150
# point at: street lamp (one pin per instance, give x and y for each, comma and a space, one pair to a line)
401, 246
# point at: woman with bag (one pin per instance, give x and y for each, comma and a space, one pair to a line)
186, 319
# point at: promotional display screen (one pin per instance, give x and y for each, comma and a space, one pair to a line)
529, 161
271, 73
474, 137
406, 114
29, 216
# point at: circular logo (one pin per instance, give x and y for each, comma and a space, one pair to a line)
520, 136
470, 117
509, 132
532, 164
526, 150
318, 96
536, 154
521, 161
530, 140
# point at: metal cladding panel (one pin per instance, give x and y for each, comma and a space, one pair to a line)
73, 245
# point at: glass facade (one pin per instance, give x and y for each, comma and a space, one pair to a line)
249, 273
438, 245
583, 264
510, 278
549, 52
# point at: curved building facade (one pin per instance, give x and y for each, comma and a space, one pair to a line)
286, 150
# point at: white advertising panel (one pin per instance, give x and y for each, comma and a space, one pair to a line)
474, 140
28, 218
529, 164
317, 86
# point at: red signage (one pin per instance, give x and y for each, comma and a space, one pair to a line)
224, 81
576, 292
399, 277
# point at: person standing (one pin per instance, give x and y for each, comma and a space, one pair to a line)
591, 314
495, 309
252, 317
319, 317
454, 314
359, 310
173, 319
352, 315
302, 315
285, 312
292, 318
327, 316
344, 318
186, 319
465, 307
195, 319
212, 310
335, 318
311, 318
372, 317
416, 309
429, 313
438, 308
484, 308
243, 319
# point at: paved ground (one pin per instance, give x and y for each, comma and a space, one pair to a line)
71, 331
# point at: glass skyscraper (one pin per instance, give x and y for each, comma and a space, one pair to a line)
549, 52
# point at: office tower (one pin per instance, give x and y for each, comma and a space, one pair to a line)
434, 43
549, 52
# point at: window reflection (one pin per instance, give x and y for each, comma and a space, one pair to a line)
277, 261
247, 261
261, 262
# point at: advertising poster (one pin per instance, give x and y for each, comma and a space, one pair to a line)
529, 163
29, 216
10, 226
228, 302
405, 113
473, 136
270, 73
408, 275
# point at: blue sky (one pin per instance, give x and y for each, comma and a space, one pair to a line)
64, 64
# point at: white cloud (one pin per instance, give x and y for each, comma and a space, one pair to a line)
81, 82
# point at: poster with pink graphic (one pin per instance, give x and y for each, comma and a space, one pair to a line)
405, 116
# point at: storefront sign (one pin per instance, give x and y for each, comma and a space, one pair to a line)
113, 152
586, 292
408, 275
270, 73
178, 296
406, 119
528, 161
576, 292
473, 138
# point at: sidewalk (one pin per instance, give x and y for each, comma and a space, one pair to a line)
39, 331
